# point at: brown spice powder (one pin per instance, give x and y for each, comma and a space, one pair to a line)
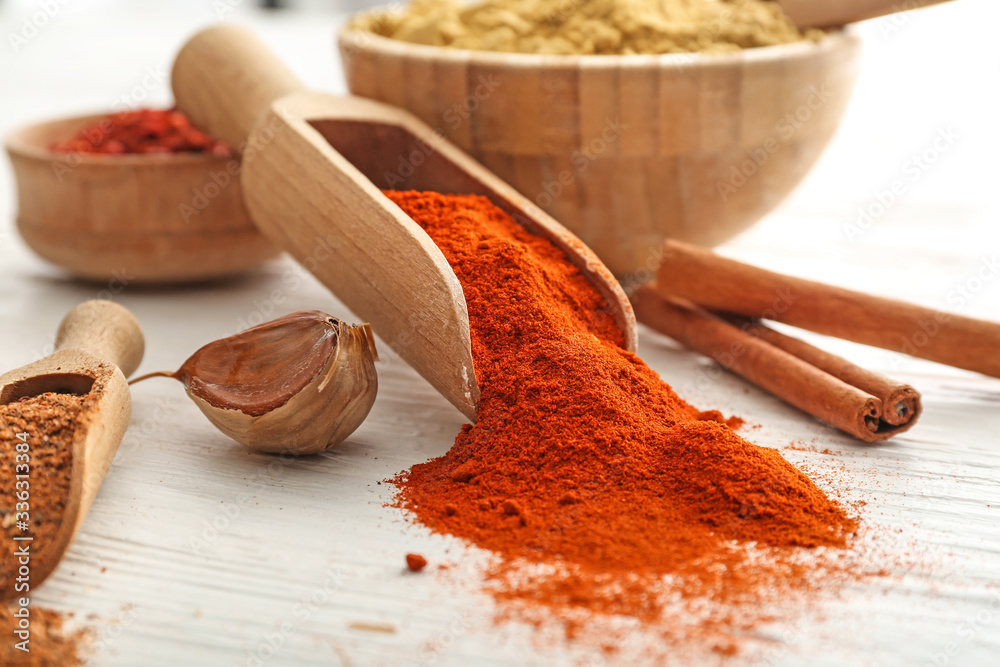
52, 644
50, 421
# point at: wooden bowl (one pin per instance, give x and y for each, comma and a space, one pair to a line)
135, 218
626, 150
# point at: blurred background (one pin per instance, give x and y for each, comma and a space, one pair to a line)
922, 72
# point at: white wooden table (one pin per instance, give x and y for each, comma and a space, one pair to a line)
198, 552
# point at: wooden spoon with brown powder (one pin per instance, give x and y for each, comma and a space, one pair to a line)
81, 393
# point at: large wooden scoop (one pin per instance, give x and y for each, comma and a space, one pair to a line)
312, 173
98, 344
835, 13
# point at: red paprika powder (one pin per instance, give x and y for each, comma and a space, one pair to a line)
582, 459
142, 131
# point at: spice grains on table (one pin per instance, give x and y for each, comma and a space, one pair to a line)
600, 491
53, 643
38, 432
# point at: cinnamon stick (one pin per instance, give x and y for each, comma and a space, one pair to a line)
901, 402
771, 368
721, 284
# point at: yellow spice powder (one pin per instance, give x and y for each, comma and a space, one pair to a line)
604, 27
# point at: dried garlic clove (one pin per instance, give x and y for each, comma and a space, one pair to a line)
298, 384
262, 368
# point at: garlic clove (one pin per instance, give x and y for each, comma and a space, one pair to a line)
298, 384
261, 368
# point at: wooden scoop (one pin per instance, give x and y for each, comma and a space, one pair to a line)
97, 345
835, 13
313, 168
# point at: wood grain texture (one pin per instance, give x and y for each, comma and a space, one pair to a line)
113, 217
626, 150
162, 586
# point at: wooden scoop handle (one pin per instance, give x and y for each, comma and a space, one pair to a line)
224, 81
105, 330
834, 13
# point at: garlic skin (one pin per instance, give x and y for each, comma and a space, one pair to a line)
299, 384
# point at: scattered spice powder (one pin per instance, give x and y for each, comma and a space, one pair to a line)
50, 421
601, 491
143, 131
52, 644
415, 562
602, 27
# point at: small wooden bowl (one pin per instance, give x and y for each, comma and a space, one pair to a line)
626, 150
135, 218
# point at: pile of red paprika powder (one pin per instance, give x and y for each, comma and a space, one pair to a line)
144, 131
601, 491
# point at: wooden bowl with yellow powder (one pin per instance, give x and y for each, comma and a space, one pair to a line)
623, 147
